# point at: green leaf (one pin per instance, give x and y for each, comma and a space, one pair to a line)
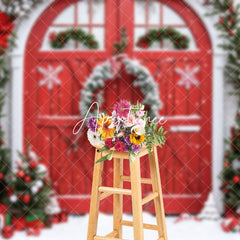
104, 148
104, 158
132, 156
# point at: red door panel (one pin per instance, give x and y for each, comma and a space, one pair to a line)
54, 79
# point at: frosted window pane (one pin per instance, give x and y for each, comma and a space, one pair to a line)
171, 17
83, 12
154, 12
139, 12
98, 11
66, 17
98, 32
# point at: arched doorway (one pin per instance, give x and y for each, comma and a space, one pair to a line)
184, 78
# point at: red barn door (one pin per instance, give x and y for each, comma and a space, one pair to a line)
54, 78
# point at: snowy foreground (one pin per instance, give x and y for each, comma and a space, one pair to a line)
76, 229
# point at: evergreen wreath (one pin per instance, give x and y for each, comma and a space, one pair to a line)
93, 90
59, 40
179, 41
229, 26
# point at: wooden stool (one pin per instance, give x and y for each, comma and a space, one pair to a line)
99, 192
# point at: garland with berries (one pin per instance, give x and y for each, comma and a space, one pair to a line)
93, 90
59, 40
10, 11
228, 25
179, 40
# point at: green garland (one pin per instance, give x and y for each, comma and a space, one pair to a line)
179, 41
231, 172
228, 25
59, 40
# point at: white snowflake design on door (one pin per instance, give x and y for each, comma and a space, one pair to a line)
188, 76
50, 76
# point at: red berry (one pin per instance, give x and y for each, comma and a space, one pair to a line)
231, 10
225, 155
231, 20
26, 198
225, 190
27, 179
226, 164
230, 32
7, 231
92, 43
144, 45
221, 20
1, 176
32, 164
21, 174
236, 179
20, 196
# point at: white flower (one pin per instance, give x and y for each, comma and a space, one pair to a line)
94, 138
13, 198
138, 129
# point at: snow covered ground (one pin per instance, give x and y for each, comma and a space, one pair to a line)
76, 229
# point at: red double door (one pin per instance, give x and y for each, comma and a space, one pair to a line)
184, 82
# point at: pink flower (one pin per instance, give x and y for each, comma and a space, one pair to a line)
120, 146
140, 122
109, 143
122, 108
140, 113
131, 120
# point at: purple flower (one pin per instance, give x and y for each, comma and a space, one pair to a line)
92, 124
126, 148
122, 108
127, 140
136, 148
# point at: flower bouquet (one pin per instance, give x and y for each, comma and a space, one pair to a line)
127, 129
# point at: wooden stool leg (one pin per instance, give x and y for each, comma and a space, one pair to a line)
136, 199
158, 202
117, 198
94, 206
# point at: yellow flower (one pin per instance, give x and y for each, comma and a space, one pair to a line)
137, 139
104, 130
